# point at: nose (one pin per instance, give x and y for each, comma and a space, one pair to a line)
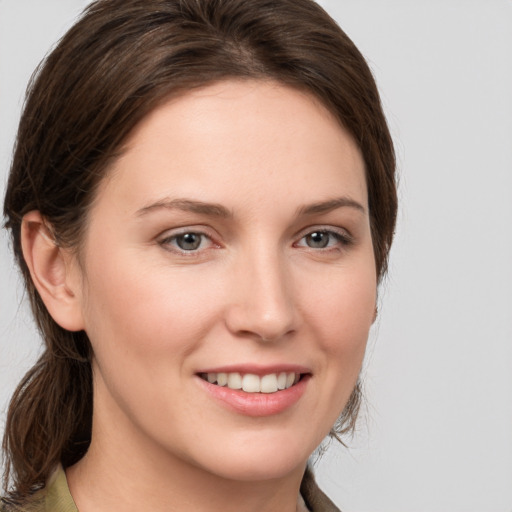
263, 304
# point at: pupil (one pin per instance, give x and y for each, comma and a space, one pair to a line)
318, 240
189, 241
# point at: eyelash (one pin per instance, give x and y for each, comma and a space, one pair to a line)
342, 239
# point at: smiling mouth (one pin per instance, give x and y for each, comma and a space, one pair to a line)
251, 383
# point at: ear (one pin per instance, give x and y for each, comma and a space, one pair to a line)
54, 272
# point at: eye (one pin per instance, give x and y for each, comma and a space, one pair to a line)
324, 239
190, 241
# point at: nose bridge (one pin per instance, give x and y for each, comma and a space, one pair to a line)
263, 304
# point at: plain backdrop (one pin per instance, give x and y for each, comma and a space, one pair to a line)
436, 432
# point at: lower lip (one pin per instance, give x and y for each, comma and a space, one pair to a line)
256, 404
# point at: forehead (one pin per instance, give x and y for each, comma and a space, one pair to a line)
238, 138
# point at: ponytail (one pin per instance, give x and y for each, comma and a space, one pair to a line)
48, 422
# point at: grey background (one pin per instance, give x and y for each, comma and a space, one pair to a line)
436, 433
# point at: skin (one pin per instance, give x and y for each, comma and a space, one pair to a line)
254, 292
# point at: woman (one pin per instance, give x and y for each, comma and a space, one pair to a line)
201, 201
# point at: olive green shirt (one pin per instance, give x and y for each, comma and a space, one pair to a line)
55, 497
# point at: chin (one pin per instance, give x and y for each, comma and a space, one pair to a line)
266, 458
260, 468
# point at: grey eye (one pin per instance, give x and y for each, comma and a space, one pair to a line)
318, 239
189, 241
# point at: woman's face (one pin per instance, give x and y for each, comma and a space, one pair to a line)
230, 242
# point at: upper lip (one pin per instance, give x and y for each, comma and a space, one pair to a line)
256, 369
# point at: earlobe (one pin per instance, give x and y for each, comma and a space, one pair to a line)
51, 270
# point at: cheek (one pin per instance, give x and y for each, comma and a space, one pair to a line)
146, 313
342, 315
344, 310
339, 316
142, 327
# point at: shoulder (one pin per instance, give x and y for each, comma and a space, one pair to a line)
54, 497
315, 499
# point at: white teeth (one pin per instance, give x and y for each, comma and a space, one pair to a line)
251, 383
268, 383
222, 379
234, 381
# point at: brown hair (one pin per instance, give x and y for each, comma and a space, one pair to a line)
117, 63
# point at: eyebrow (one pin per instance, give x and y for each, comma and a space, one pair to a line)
218, 210
329, 205
187, 205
